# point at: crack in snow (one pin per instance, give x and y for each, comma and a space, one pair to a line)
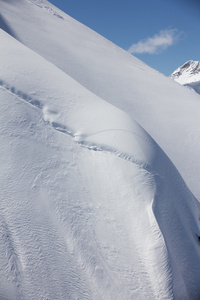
80, 139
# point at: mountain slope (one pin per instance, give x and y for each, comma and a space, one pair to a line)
188, 75
82, 230
91, 207
159, 105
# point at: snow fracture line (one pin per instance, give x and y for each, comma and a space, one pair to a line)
83, 143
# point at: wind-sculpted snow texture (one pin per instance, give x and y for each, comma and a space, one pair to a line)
168, 112
91, 207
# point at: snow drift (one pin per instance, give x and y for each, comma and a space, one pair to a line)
169, 113
91, 206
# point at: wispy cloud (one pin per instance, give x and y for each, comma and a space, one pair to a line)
158, 42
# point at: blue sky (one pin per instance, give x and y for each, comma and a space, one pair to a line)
162, 33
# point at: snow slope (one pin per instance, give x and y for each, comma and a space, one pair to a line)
169, 114
188, 75
91, 207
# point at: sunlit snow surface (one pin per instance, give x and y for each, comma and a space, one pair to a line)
168, 112
188, 75
91, 207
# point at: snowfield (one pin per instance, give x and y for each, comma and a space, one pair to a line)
97, 153
168, 112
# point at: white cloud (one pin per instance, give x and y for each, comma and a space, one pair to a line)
157, 43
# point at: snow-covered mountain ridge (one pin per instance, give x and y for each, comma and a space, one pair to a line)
113, 75
91, 205
188, 74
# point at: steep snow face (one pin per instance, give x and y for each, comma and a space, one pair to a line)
91, 207
169, 113
188, 75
